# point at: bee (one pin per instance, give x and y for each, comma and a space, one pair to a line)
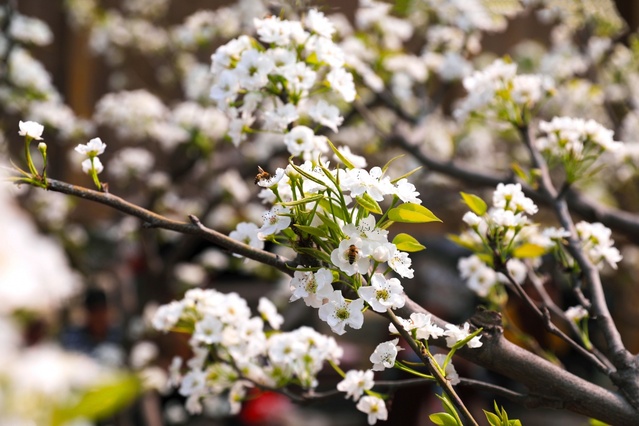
261, 175
352, 253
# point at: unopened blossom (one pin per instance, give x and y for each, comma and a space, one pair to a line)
384, 355
374, 407
338, 313
576, 313
31, 129
91, 164
356, 382
383, 293
449, 371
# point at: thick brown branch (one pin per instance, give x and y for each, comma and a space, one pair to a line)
540, 376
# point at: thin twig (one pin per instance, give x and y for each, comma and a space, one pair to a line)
155, 220
433, 369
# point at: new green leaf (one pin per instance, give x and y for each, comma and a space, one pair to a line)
476, 204
412, 213
405, 242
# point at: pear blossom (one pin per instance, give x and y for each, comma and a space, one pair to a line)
313, 287
384, 355
351, 256
455, 334
92, 148
374, 407
356, 382
299, 140
401, 263
280, 117
359, 181
383, 293
597, 244
338, 313
31, 129
424, 327
275, 221
318, 23
576, 313
342, 82
208, 330
269, 313
326, 115
247, 233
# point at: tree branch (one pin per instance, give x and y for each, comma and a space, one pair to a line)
626, 376
154, 220
496, 354
618, 220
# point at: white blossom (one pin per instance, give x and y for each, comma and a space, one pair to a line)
31, 129
355, 383
384, 355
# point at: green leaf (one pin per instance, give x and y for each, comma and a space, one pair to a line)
443, 419
311, 230
476, 204
307, 175
304, 200
388, 163
527, 250
368, 203
407, 243
333, 209
405, 175
493, 419
330, 224
340, 156
412, 213
459, 241
100, 401
318, 254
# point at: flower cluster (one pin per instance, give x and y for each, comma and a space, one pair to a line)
329, 215
597, 244
575, 143
275, 77
499, 236
232, 351
498, 90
